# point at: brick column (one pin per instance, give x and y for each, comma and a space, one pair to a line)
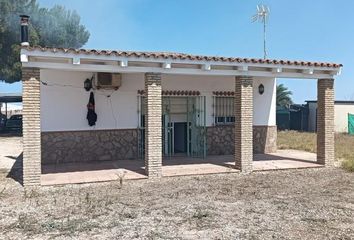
244, 123
31, 126
325, 122
153, 125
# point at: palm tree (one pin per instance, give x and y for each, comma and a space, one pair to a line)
283, 96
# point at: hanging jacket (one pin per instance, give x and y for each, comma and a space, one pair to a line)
91, 115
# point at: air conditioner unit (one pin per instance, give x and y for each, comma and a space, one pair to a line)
108, 80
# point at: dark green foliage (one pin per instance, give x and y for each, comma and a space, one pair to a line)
55, 27
283, 96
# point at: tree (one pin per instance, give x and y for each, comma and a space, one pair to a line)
283, 96
55, 27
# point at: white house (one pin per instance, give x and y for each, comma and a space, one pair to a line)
155, 104
98, 105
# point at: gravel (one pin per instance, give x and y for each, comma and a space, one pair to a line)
295, 204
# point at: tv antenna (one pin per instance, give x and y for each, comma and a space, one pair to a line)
262, 16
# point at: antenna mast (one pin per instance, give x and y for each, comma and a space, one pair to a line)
262, 16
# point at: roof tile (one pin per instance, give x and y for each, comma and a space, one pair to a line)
181, 56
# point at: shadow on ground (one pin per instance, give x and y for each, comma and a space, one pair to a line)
16, 172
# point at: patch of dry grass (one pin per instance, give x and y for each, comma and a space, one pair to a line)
344, 145
348, 164
297, 140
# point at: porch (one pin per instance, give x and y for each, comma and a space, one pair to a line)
232, 111
73, 173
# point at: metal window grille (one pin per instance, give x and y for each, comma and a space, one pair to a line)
224, 111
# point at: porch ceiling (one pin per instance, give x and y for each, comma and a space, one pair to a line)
171, 63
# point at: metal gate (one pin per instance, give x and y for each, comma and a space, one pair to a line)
197, 127
188, 109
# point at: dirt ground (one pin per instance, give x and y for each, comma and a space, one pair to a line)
291, 204
10, 151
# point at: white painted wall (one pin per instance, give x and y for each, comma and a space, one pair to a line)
264, 106
341, 116
264, 112
63, 108
205, 84
341, 111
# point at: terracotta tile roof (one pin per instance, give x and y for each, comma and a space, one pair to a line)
175, 92
223, 93
182, 56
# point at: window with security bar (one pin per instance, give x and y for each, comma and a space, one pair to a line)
224, 111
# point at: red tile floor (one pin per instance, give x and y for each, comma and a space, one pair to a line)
71, 173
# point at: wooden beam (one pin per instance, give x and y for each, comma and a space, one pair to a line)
24, 58
167, 65
123, 63
308, 71
277, 70
206, 67
76, 61
242, 68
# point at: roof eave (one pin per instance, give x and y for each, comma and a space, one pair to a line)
29, 56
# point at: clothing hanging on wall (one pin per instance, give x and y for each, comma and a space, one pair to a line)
91, 115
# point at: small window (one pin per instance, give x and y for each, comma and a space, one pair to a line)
219, 120
224, 112
230, 119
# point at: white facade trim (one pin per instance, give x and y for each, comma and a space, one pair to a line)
181, 71
45, 59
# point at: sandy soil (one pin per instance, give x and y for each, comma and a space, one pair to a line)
294, 204
10, 150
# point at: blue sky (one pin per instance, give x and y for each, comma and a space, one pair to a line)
298, 30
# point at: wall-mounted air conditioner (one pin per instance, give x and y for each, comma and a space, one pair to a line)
108, 80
